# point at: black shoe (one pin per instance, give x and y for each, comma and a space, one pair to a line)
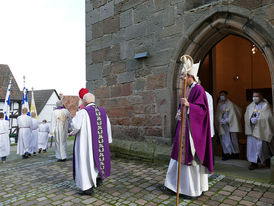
165, 190
87, 192
40, 150
44, 150
186, 197
25, 156
225, 157
236, 156
99, 181
29, 154
61, 160
253, 166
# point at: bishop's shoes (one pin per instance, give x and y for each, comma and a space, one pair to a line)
90, 191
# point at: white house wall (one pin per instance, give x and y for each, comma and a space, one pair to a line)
46, 112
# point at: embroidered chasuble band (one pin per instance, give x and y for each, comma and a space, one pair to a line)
100, 140
101, 152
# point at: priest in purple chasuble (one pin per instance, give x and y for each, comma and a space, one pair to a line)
197, 159
91, 154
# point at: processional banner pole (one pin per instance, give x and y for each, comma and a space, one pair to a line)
187, 62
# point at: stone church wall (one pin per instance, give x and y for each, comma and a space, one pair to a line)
139, 94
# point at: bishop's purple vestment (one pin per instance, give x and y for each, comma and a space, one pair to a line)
199, 123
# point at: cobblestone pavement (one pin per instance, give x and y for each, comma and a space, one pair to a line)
41, 180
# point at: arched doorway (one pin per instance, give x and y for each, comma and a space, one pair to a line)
204, 35
236, 65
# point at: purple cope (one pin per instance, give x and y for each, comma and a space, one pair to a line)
200, 129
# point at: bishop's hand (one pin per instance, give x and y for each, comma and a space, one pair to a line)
178, 115
185, 102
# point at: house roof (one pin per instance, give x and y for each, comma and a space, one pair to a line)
41, 97
4, 82
71, 103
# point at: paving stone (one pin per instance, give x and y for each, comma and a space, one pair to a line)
141, 202
247, 203
218, 197
233, 197
230, 202
212, 202
269, 195
255, 194
226, 193
259, 203
239, 193
267, 200
251, 199
132, 183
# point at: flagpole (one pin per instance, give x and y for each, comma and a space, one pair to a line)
25, 97
6, 109
185, 70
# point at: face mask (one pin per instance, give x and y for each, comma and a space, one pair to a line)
222, 98
256, 99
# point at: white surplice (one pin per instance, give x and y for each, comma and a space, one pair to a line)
211, 112
60, 124
34, 135
85, 168
24, 123
229, 139
255, 145
193, 178
4, 138
43, 136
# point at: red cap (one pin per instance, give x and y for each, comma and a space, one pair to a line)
82, 92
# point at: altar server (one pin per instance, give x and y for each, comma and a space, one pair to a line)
24, 124
43, 136
4, 138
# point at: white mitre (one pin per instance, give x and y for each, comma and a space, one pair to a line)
194, 71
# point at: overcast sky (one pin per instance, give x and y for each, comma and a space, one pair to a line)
45, 41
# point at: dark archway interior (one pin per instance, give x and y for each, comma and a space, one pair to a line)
236, 65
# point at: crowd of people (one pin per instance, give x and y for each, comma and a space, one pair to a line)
92, 130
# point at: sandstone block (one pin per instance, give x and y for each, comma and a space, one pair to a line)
126, 77
94, 71
102, 92
126, 18
156, 81
98, 3
111, 24
118, 67
107, 10
97, 30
